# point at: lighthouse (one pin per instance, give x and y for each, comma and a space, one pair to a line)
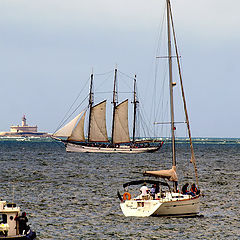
24, 128
24, 121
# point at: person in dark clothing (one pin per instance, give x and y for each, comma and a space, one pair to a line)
185, 188
22, 221
194, 189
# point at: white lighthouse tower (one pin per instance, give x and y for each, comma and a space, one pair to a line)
24, 121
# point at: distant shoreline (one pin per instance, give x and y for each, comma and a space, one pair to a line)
24, 134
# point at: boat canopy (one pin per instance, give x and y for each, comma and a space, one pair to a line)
170, 174
138, 182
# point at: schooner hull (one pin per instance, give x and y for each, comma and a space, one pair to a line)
146, 208
71, 147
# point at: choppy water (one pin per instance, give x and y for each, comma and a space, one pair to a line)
73, 196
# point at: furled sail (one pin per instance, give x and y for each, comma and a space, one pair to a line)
78, 131
66, 130
171, 174
120, 127
98, 129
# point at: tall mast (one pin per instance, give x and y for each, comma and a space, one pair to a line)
114, 102
134, 108
171, 84
193, 160
90, 104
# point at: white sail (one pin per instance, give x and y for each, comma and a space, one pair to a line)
98, 129
78, 131
66, 131
120, 128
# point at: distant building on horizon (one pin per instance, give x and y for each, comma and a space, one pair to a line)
24, 130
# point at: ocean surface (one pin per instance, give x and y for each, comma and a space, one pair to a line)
74, 196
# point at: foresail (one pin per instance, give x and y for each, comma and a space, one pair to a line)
66, 131
171, 174
78, 131
120, 128
98, 129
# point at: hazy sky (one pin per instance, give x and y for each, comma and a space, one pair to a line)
48, 48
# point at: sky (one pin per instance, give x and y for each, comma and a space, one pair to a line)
48, 49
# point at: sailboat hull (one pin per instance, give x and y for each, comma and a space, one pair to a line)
71, 147
177, 208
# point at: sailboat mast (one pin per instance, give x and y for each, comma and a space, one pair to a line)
90, 105
193, 160
134, 108
114, 102
171, 84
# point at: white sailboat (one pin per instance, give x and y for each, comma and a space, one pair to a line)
168, 202
97, 138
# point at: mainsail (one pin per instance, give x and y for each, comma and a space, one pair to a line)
67, 130
120, 128
78, 131
98, 129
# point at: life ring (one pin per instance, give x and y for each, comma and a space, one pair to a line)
126, 196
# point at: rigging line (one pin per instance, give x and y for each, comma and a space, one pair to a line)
124, 92
193, 160
120, 79
153, 106
105, 73
143, 115
105, 79
144, 121
63, 121
102, 92
126, 75
72, 113
162, 107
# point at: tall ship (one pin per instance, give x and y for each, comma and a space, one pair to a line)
97, 140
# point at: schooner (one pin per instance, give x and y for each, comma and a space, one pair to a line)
97, 137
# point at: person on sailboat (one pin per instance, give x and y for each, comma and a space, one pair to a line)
144, 190
153, 190
194, 189
185, 188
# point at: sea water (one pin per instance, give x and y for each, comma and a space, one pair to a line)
74, 195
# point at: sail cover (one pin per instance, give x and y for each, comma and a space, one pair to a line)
78, 131
66, 130
121, 132
171, 174
98, 129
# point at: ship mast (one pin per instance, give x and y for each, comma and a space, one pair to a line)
134, 108
193, 160
171, 84
90, 105
114, 102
